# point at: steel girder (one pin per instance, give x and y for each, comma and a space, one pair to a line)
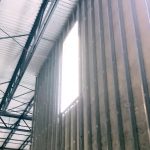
7, 114
28, 50
11, 128
15, 126
9, 148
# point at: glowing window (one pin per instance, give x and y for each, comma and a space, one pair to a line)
70, 69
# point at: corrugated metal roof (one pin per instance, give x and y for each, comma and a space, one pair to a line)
53, 30
16, 19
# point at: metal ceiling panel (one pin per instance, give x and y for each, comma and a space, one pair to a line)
13, 145
52, 32
39, 57
3, 135
64, 8
19, 16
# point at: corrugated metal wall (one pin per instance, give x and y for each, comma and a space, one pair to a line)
113, 110
46, 103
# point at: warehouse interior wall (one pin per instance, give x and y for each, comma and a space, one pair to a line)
113, 108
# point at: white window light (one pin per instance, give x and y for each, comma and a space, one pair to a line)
70, 69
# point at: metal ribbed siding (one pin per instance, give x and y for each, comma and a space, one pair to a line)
46, 110
115, 73
113, 109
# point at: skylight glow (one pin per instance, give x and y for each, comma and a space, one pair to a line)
70, 69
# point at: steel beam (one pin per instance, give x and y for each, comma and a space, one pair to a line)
7, 114
17, 107
11, 128
16, 125
3, 122
8, 148
28, 50
23, 94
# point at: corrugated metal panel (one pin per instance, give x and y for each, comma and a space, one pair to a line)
49, 74
46, 132
113, 110
59, 18
18, 17
111, 73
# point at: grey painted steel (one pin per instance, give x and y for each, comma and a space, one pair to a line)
7, 114
11, 128
14, 36
17, 123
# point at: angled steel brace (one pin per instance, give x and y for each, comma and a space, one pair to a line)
27, 124
14, 36
3, 122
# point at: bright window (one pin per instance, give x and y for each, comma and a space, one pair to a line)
70, 69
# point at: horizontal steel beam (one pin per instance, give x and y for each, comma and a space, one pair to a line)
16, 125
13, 139
11, 128
7, 114
8, 148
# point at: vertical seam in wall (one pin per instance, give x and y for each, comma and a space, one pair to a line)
141, 61
96, 102
128, 77
88, 103
115, 76
105, 82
